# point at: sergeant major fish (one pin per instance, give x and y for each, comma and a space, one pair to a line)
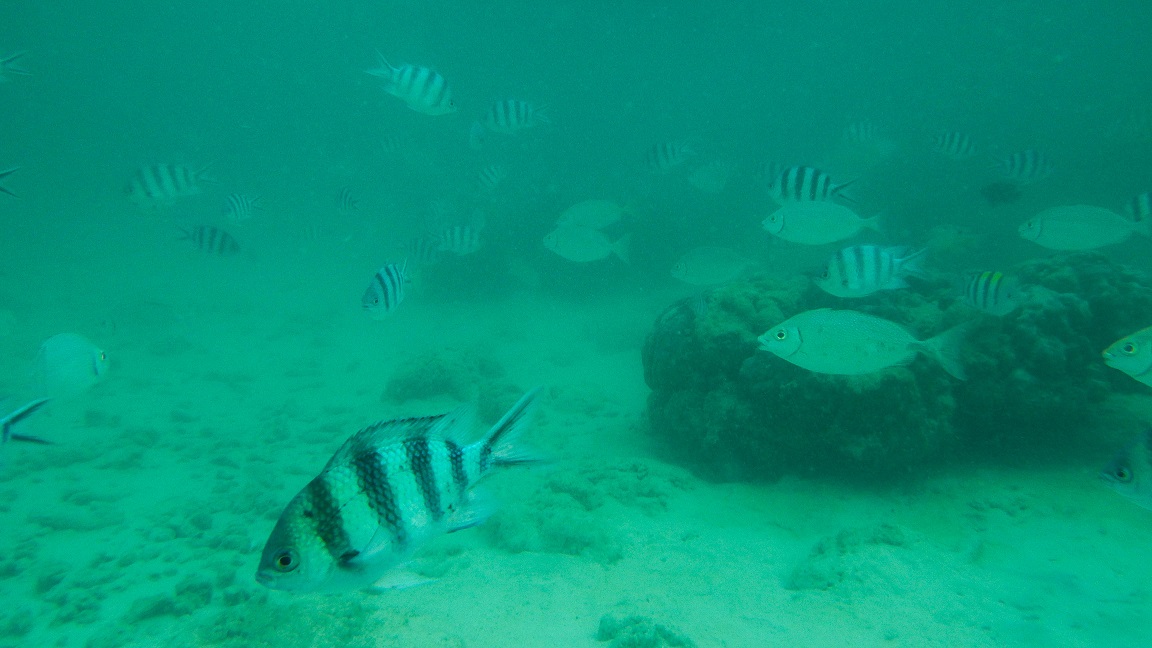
211, 239
421, 88
804, 184
993, 292
385, 291
511, 115
389, 490
861, 270
164, 184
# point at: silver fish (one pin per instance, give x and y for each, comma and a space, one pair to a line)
1130, 473
511, 115
389, 490
67, 365
861, 270
421, 88
385, 291
848, 342
1132, 354
595, 213
816, 222
1081, 227
585, 244
709, 266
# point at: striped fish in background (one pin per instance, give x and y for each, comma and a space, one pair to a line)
491, 176
389, 490
511, 115
347, 201
662, 157
1138, 209
423, 250
423, 89
241, 207
805, 184
1025, 167
211, 240
954, 145
460, 240
164, 184
385, 290
993, 293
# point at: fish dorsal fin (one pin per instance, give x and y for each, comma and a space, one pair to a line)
383, 433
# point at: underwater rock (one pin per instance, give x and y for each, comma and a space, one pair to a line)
459, 374
1035, 376
639, 632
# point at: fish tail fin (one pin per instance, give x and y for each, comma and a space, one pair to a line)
384, 71
875, 223
497, 448
910, 263
540, 113
947, 349
621, 248
9, 64
18, 415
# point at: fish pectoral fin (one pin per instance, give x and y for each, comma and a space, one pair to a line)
474, 513
398, 579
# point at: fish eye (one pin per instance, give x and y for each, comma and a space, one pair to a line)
825, 274
1129, 348
103, 356
285, 561
1122, 474
781, 334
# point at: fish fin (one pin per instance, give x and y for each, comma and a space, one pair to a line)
838, 192
30, 439
385, 71
474, 512
874, 223
621, 248
398, 579
947, 349
383, 433
910, 263
540, 113
19, 414
5, 174
497, 448
8, 64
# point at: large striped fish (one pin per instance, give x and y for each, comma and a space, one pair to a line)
389, 490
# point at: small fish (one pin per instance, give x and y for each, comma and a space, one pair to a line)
67, 365
954, 145
709, 266
347, 201
817, 223
862, 132
585, 244
9, 66
491, 176
1130, 473
805, 184
848, 342
662, 157
713, 177
211, 239
423, 250
460, 240
5, 174
596, 213
18, 415
993, 293
861, 270
1138, 209
511, 115
163, 184
1025, 166
1081, 227
421, 88
240, 207
1132, 354
389, 490
385, 291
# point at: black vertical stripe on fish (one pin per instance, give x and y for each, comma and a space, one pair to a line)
329, 521
456, 459
372, 478
420, 461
